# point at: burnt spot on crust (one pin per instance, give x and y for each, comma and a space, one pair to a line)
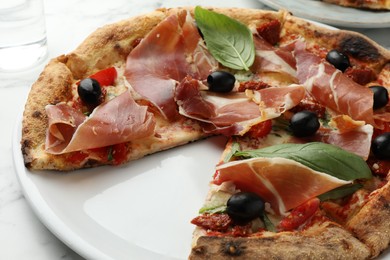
37, 114
359, 48
199, 250
232, 248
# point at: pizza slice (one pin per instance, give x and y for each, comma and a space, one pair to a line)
261, 205
362, 4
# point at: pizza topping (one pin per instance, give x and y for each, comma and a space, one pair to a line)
153, 71
308, 103
221, 81
340, 192
228, 40
332, 88
225, 113
381, 96
105, 77
361, 76
381, 146
215, 222
243, 207
270, 31
304, 123
318, 156
271, 59
281, 182
89, 91
116, 121
260, 130
356, 140
299, 215
234, 113
338, 59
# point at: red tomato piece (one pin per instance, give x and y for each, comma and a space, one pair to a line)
299, 215
261, 129
270, 31
214, 222
105, 77
76, 157
119, 153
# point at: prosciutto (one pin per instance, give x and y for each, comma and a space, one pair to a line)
331, 88
170, 52
234, 113
271, 59
357, 141
116, 121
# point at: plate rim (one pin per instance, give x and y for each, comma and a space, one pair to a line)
42, 209
326, 19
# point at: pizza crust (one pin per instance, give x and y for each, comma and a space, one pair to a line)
53, 86
362, 4
323, 241
371, 224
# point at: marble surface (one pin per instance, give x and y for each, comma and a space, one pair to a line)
22, 235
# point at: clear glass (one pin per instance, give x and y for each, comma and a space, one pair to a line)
22, 34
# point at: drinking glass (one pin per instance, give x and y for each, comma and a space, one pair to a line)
22, 34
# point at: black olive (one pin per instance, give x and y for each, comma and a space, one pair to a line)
381, 146
381, 96
338, 59
243, 207
89, 91
304, 123
221, 81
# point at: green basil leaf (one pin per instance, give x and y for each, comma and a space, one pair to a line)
268, 224
340, 192
234, 148
212, 210
318, 156
229, 41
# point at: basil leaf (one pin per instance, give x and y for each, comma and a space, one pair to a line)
212, 210
229, 41
318, 156
340, 192
233, 149
268, 224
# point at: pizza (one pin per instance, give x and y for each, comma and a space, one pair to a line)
305, 109
362, 4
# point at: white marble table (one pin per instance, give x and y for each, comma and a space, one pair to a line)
22, 235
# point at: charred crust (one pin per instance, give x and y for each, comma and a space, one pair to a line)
232, 248
198, 250
36, 114
359, 48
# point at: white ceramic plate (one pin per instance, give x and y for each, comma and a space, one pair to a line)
141, 210
332, 14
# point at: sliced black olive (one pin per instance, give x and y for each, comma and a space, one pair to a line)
89, 91
381, 146
304, 123
381, 96
221, 81
243, 207
338, 59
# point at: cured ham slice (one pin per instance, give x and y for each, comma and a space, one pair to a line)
171, 51
271, 59
235, 112
331, 88
357, 141
116, 121
284, 183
